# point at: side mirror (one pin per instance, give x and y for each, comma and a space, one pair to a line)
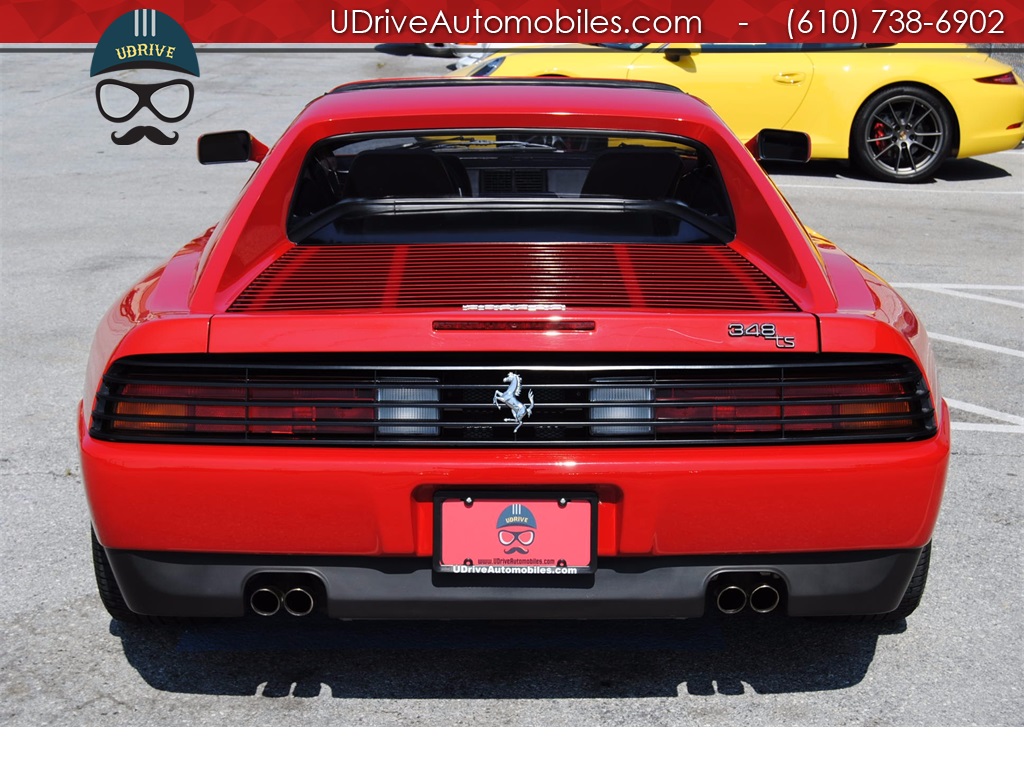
230, 147
778, 145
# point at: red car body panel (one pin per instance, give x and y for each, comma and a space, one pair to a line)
379, 501
312, 501
254, 232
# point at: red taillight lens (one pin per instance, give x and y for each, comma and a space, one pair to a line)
309, 411
732, 416
884, 403
241, 410
795, 407
807, 418
1007, 78
308, 419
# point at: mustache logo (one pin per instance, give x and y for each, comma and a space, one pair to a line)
517, 550
140, 132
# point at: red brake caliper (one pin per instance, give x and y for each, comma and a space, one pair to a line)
878, 130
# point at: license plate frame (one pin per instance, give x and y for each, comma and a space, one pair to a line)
469, 537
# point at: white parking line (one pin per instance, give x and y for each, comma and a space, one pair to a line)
976, 344
961, 294
962, 286
896, 188
1014, 424
966, 426
983, 411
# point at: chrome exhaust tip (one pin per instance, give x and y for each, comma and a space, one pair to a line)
265, 601
731, 599
764, 598
298, 602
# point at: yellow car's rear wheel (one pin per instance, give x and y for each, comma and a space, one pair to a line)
902, 133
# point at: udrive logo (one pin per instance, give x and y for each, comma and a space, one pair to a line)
517, 529
144, 40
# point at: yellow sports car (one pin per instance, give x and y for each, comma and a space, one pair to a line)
897, 111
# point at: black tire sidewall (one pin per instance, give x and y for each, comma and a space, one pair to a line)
858, 149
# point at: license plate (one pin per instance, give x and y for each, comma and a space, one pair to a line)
512, 534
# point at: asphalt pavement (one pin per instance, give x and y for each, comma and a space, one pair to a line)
81, 219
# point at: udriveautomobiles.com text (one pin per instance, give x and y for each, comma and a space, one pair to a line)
450, 26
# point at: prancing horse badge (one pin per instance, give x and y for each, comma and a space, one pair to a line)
510, 397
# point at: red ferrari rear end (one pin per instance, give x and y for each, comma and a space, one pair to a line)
481, 349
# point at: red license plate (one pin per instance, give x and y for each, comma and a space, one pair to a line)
507, 535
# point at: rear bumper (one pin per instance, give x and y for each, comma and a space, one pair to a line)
986, 113
651, 502
210, 585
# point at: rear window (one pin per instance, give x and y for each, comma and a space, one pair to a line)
509, 186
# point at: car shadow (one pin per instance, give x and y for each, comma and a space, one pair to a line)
967, 169
400, 49
286, 657
970, 169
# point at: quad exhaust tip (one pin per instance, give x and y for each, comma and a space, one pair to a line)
764, 598
731, 599
298, 602
266, 601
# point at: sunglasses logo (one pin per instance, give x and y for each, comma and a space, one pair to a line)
120, 101
508, 538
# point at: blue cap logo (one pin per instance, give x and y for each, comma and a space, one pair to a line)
144, 39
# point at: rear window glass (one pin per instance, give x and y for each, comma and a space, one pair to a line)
509, 186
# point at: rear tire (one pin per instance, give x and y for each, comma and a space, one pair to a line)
428, 49
110, 592
903, 134
911, 598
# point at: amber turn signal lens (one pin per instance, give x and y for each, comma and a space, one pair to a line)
159, 412
872, 409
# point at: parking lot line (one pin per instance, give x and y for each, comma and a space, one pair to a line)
976, 344
889, 188
961, 286
1013, 424
983, 411
957, 291
967, 426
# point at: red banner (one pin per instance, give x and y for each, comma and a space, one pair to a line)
989, 22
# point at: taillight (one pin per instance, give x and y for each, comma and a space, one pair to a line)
823, 406
626, 402
408, 410
786, 408
399, 407
689, 400
308, 411
881, 410
232, 410
719, 410
171, 407
1007, 78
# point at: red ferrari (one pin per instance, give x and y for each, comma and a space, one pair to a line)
511, 349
